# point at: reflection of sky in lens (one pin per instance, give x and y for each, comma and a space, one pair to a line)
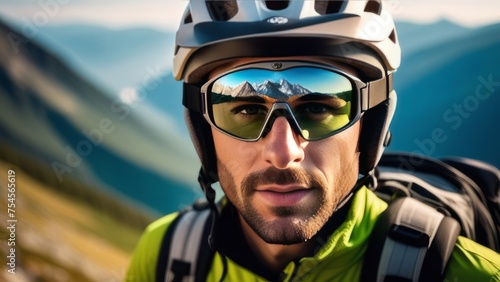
313, 79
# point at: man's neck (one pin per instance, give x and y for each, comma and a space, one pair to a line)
275, 256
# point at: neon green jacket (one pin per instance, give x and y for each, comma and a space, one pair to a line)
340, 258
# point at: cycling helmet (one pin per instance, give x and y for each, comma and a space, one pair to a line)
358, 33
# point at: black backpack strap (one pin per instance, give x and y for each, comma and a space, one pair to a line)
487, 177
475, 186
205, 253
161, 263
411, 242
185, 254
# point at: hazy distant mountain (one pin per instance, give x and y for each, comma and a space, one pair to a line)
118, 59
448, 97
415, 37
115, 58
49, 113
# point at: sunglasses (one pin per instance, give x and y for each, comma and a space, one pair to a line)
318, 101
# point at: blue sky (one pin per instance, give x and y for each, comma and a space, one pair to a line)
166, 14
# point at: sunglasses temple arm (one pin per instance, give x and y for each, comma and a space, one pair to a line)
192, 97
376, 92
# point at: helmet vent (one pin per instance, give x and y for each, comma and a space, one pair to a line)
392, 36
188, 18
222, 10
324, 7
277, 5
374, 6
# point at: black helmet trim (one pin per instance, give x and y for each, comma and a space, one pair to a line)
203, 60
375, 134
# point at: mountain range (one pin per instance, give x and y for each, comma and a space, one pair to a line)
278, 90
283, 87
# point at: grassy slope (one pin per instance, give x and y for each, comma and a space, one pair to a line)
59, 238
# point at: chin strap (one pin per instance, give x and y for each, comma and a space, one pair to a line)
368, 180
206, 182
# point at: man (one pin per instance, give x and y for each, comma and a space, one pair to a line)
289, 104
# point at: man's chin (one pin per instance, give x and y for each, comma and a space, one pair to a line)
284, 231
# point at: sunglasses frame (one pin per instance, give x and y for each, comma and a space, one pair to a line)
281, 108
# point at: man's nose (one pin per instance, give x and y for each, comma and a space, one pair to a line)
282, 145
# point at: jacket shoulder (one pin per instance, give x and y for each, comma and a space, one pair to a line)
142, 266
471, 261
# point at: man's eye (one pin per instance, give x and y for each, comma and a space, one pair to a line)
250, 110
314, 108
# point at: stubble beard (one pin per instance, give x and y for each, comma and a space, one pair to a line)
292, 224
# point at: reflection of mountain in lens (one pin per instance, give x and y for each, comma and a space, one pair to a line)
244, 89
276, 90
283, 89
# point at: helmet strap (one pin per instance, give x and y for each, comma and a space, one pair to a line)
206, 182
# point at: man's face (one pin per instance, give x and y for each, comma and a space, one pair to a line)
284, 187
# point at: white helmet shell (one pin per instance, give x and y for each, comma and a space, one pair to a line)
363, 24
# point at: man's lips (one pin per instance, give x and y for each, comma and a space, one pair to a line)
282, 195
280, 188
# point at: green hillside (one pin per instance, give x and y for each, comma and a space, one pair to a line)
59, 237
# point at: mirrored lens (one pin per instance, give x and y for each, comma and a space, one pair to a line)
320, 100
